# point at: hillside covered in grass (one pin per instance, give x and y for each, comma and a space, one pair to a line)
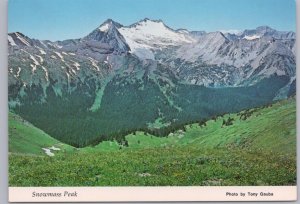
252, 147
27, 139
269, 128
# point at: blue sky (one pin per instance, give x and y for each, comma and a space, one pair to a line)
67, 19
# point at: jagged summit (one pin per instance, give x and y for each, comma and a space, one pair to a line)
267, 31
150, 39
107, 37
106, 25
148, 21
18, 39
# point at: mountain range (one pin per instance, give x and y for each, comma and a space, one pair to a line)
148, 76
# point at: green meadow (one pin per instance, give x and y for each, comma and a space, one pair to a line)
253, 147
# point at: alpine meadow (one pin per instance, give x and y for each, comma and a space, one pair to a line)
145, 104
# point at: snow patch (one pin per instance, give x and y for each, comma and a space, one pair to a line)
22, 39
252, 37
41, 59
149, 30
11, 41
42, 51
94, 63
46, 73
147, 35
54, 148
60, 56
104, 27
58, 46
34, 60
48, 152
77, 65
18, 72
141, 50
54, 45
33, 67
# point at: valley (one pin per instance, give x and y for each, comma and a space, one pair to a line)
259, 149
149, 105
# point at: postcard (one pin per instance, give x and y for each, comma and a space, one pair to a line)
145, 100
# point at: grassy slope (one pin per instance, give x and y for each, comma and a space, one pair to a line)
258, 151
25, 138
271, 129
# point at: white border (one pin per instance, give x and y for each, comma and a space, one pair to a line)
153, 194
3, 105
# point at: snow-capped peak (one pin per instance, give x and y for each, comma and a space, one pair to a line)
147, 34
252, 37
18, 39
107, 37
145, 20
147, 27
104, 27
